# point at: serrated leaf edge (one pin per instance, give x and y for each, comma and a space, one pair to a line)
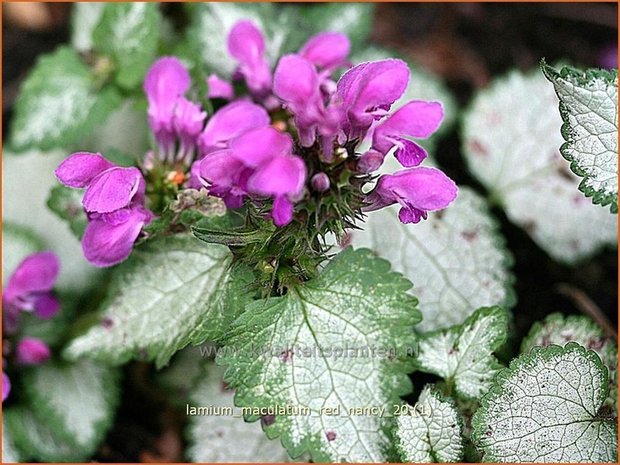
459, 330
545, 353
440, 397
401, 387
581, 78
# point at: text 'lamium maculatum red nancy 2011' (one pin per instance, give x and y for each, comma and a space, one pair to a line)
282, 145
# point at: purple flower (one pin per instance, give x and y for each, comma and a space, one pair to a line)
114, 203
417, 119
165, 82
32, 351
297, 83
109, 237
172, 117
367, 91
283, 179
247, 44
225, 176
79, 169
229, 122
219, 88
258, 163
6, 386
110, 190
29, 289
327, 50
417, 190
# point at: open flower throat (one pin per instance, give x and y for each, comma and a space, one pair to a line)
284, 153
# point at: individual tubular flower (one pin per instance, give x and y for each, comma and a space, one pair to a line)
367, 91
247, 45
416, 190
29, 289
417, 119
258, 163
114, 203
297, 83
171, 115
166, 80
32, 351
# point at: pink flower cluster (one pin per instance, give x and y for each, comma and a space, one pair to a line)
245, 152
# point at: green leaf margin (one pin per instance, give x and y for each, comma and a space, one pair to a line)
581, 78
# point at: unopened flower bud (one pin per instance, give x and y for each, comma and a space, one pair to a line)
370, 161
320, 182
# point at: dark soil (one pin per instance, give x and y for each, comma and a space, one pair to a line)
468, 45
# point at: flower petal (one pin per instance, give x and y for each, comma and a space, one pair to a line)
423, 188
282, 211
418, 188
106, 244
219, 88
36, 273
246, 42
417, 118
411, 215
46, 306
32, 351
166, 80
260, 145
327, 49
230, 121
79, 169
114, 189
320, 182
371, 86
284, 175
194, 177
188, 118
409, 153
220, 169
295, 80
